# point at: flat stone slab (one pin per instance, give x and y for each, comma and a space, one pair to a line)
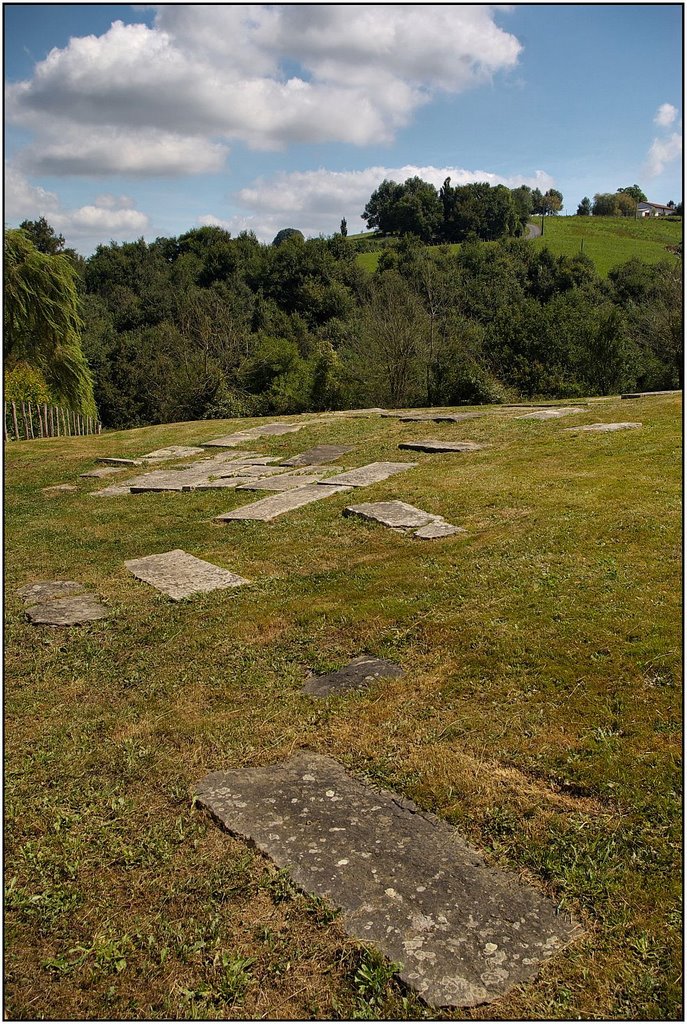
603, 428
68, 611
174, 451
358, 674
551, 414
222, 483
396, 514
318, 456
433, 445
119, 462
276, 504
113, 491
370, 474
287, 482
357, 412
238, 437
48, 590
179, 575
650, 394
463, 932
59, 488
104, 471
434, 531
447, 417
250, 471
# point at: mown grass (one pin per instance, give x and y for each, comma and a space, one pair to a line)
539, 713
608, 241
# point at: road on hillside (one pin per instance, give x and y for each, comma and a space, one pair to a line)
533, 231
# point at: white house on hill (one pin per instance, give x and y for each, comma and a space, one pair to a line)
653, 210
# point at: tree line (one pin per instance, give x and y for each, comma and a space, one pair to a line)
455, 213
206, 325
622, 203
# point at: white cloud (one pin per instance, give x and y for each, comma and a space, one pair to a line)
315, 201
662, 152
668, 147
108, 217
167, 99
665, 115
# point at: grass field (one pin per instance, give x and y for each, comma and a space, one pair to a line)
608, 241
540, 714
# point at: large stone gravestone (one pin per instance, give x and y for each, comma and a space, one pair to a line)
269, 508
179, 575
463, 931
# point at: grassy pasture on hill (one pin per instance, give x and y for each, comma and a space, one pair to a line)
608, 241
539, 713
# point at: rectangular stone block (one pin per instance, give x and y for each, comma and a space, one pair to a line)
433, 445
551, 414
269, 508
174, 451
370, 474
112, 461
319, 455
603, 428
463, 931
105, 471
287, 482
249, 470
179, 575
396, 514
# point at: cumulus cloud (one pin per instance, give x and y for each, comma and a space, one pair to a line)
665, 115
315, 201
667, 147
108, 217
167, 99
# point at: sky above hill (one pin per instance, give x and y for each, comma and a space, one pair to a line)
128, 120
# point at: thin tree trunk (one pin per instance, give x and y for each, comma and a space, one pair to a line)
52, 421
65, 431
14, 420
45, 420
33, 436
7, 437
26, 422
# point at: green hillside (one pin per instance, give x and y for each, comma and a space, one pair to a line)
608, 241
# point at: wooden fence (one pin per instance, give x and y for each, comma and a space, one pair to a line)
25, 421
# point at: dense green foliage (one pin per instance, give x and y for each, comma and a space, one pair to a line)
42, 324
206, 325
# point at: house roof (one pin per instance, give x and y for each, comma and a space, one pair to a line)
657, 206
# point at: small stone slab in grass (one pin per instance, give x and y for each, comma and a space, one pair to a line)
433, 445
103, 472
396, 514
249, 471
435, 531
650, 394
47, 590
288, 482
238, 437
174, 451
358, 674
119, 462
551, 414
113, 491
464, 932
59, 489
370, 474
68, 611
318, 456
269, 508
223, 483
448, 417
603, 428
179, 575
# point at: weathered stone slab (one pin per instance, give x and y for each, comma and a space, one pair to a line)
432, 445
396, 514
104, 471
370, 474
238, 437
119, 462
447, 417
551, 414
464, 932
275, 429
605, 427
48, 590
357, 412
650, 394
113, 491
58, 489
222, 483
68, 611
358, 674
319, 455
434, 531
269, 508
249, 470
287, 482
174, 451
179, 575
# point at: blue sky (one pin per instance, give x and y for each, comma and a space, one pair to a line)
124, 121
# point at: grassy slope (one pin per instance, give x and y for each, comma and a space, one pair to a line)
540, 713
608, 241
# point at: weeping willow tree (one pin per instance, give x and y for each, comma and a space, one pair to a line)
42, 322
